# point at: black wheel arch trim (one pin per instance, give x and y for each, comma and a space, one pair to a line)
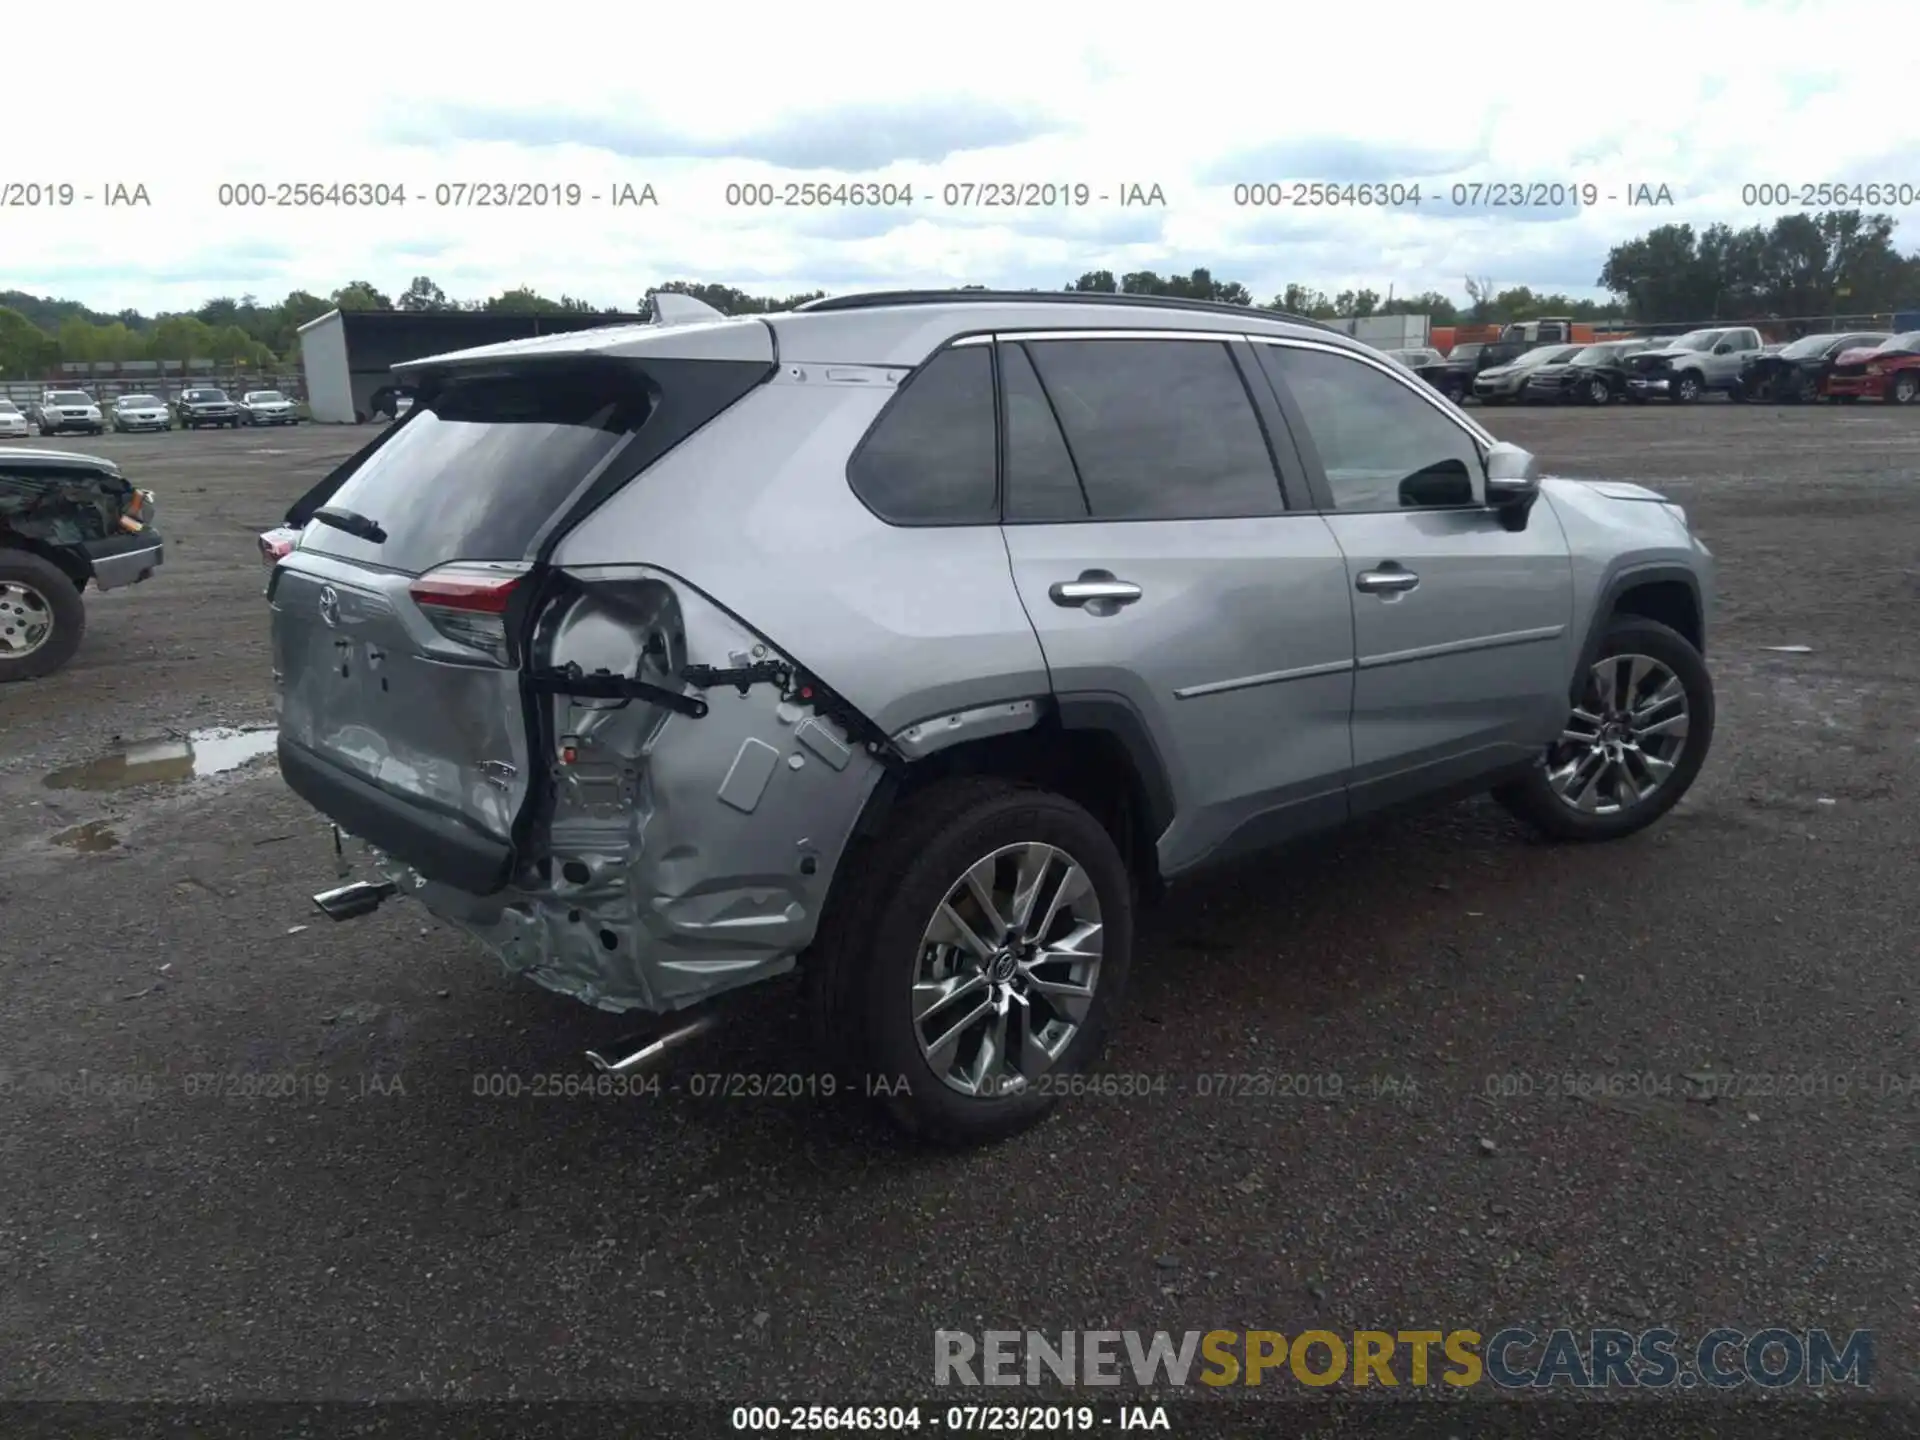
1617, 584
1119, 717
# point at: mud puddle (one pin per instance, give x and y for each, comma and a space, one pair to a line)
147, 762
89, 839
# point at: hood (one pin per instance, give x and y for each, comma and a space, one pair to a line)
1856, 357
65, 507
1625, 490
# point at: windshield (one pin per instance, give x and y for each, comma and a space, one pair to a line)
1695, 340
7, 407
266, 395
205, 395
138, 402
1596, 355
1546, 355
1468, 351
69, 397
1807, 346
1908, 341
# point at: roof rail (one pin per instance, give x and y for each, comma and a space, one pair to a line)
876, 298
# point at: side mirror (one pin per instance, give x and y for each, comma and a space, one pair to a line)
1513, 483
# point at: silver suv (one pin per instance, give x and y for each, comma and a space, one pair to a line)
917, 638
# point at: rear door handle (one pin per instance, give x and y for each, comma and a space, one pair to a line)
1388, 580
1093, 585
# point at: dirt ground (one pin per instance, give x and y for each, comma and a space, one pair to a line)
251, 1154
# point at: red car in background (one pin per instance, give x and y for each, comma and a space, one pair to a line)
1890, 371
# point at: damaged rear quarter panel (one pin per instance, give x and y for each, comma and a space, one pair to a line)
685, 855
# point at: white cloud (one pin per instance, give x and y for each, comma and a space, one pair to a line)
1701, 98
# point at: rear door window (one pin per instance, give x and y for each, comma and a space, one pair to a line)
484, 466
1155, 430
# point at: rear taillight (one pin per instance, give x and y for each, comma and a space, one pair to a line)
468, 604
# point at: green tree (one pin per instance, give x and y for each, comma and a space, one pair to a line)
76, 339
25, 349
422, 294
360, 295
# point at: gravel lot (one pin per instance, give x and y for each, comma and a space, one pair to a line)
402, 1236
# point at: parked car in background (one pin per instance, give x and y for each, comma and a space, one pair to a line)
1414, 357
141, 412
1597, 374
62, 412
66, 522
1546, 383
1691, 365
203, 405
13, 421
1798, 371
1890, 371
268, 407
1498, 384
1453, 377
584, 751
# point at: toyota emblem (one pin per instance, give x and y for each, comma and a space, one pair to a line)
329, 605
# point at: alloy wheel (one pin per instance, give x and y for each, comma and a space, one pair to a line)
1007, 970
26, 619
1906, 388
1598, 392
1623, 741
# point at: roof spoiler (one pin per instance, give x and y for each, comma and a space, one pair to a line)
672, 308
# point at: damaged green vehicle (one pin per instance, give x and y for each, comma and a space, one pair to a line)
66, 522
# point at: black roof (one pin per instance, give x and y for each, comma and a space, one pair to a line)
877, 298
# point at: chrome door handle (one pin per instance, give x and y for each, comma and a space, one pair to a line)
1375, 582
1093, 585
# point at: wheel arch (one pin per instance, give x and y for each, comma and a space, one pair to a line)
1664, 592
75, 567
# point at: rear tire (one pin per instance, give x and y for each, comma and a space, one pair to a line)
35, 592
879, 946
1541, 797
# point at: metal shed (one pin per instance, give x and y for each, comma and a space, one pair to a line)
347, 355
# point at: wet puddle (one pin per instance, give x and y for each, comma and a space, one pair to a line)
147, 762
89, 839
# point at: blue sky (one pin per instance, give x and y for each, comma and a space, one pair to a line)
604, 96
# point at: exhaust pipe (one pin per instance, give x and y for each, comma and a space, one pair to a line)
650, 1051
350, 902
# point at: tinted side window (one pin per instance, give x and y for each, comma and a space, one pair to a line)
1042, 483
1158, 429
1382, 446
929, 460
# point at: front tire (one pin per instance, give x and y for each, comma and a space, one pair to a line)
1631, 747
1684, 388
41, 617
1598, 392
1905, 389
973, 965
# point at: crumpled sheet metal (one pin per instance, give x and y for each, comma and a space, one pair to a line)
62, 509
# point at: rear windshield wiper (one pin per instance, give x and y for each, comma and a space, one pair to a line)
351, 521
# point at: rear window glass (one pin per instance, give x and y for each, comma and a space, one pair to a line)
478, 472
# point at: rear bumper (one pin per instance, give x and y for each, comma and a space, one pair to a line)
124, 559
440, 846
